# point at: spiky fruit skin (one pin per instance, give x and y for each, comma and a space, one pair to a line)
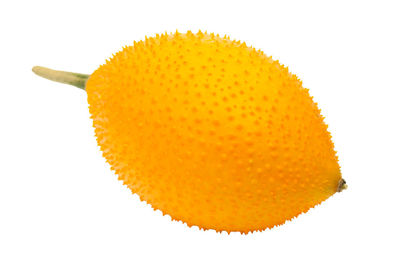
212, 132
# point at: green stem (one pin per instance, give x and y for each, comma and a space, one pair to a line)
71, 78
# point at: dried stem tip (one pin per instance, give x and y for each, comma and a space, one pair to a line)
342, 185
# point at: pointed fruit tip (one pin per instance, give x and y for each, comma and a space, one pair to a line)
342, 185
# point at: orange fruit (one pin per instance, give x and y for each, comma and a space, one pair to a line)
212, 132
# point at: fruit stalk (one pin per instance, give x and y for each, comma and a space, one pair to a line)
76, 79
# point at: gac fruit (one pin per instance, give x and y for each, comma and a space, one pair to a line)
210, 131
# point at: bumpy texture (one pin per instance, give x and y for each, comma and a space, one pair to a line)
212, 132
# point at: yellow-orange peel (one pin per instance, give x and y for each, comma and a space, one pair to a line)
210, 131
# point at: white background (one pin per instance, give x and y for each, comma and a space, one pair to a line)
60, 205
